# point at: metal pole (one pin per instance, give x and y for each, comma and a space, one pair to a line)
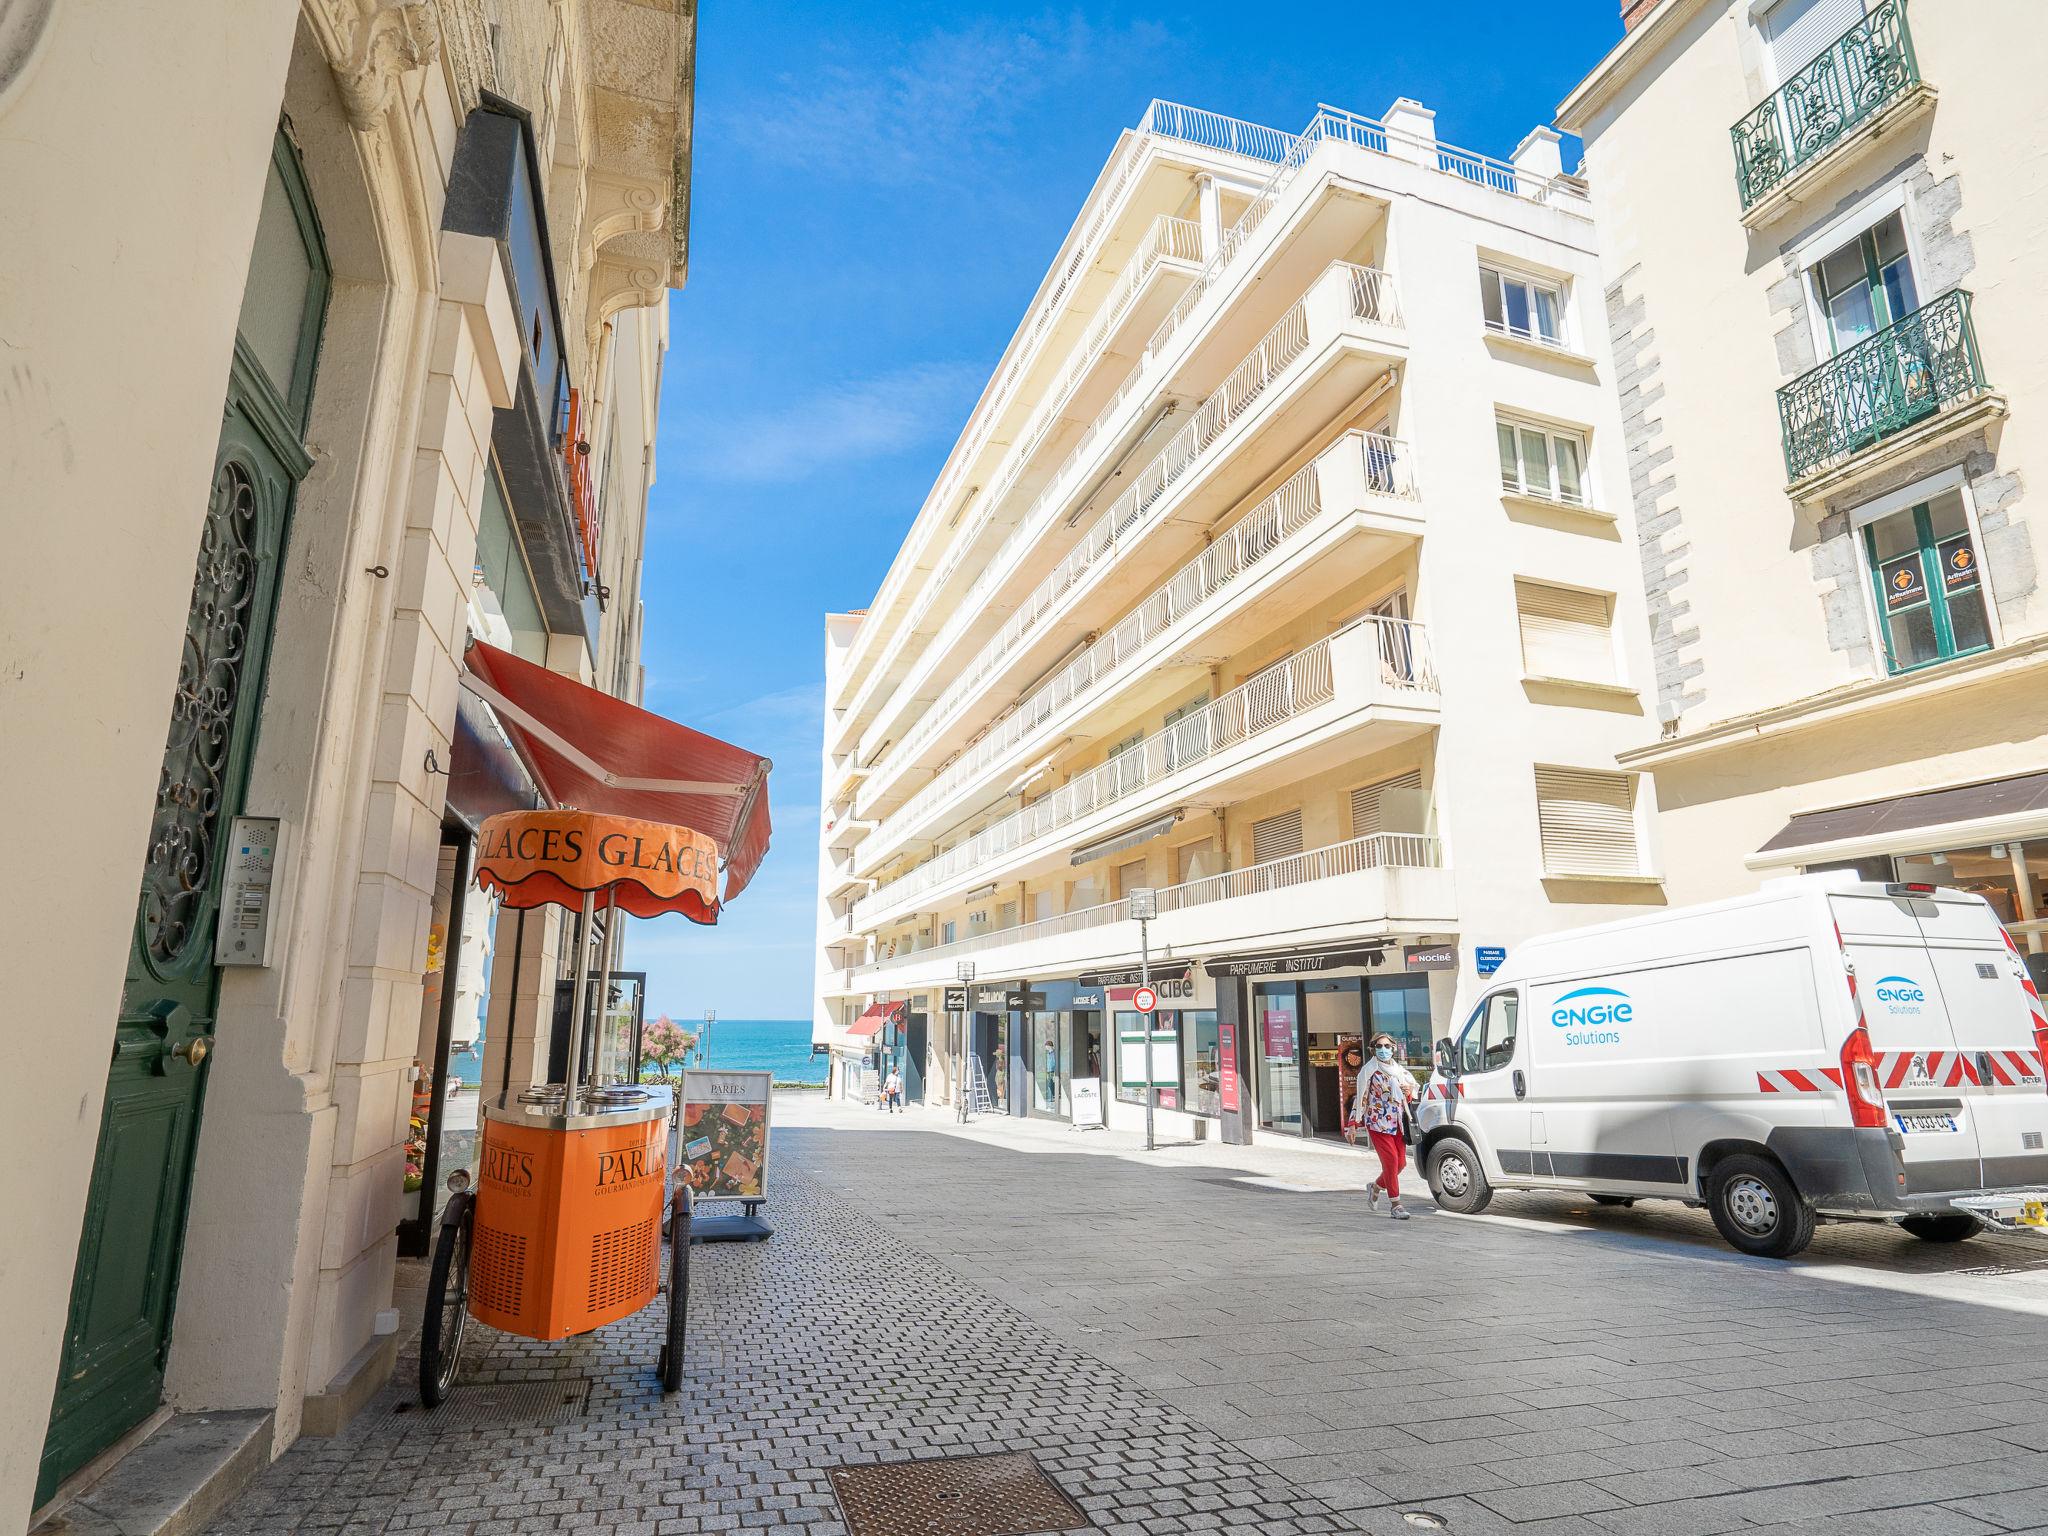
607, 953
1147, 1021
960, 1058
573, 1072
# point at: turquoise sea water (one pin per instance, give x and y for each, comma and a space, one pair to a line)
781, 1046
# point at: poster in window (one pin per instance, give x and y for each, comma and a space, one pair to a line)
1226, 1047
1279, 1034
1903, 583
1958, 563
725, 1133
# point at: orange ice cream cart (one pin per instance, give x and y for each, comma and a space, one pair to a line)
562, 1232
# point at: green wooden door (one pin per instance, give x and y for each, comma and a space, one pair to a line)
117, 1332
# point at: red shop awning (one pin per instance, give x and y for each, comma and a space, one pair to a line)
593, 752
874, 1018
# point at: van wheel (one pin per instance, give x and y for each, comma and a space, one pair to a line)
1943, 1229
1757, 1207
1456, 1179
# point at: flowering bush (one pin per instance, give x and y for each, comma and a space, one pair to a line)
665, 1047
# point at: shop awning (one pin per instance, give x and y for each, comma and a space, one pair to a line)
1130, 837
874, 1018
1972, 809
593, 752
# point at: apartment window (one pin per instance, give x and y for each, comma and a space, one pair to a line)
1928, 580
1178, 744
1795, 31
1196, 861
1867, 284
1085, 893
1587, 821
1006, 915
1370, 806
1041, 906
1130, 877
1566, 633
1277, 837
948, 932
1542, 461
1525, 307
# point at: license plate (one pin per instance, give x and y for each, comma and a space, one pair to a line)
1923, 1125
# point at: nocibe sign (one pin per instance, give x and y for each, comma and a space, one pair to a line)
536, 856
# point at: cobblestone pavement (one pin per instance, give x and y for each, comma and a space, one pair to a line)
1214, 1339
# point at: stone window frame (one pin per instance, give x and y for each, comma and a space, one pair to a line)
1893, 196
1954, 478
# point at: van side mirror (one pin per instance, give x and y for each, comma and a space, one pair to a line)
1447, 1057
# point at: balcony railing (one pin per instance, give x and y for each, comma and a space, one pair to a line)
1281, 692
1905, 373
1382, 850
1867, 66
1274, 525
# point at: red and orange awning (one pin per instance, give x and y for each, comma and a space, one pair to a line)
875, 1016
593, 753
533, 858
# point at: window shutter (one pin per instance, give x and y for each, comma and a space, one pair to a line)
1366, 818
1799, 29
1565, 633
1587, 822
1277, 837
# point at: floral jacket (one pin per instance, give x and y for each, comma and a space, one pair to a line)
1382, 1089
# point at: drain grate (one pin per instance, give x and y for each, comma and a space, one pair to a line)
494, 1405
1007, 1494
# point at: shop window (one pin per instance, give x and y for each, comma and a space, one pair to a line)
1566, 633
1542, 462
1276, 1010
507, 586
1488, 1043
1166, 1058
1202, 1063
1928, 581
1586, 819
1372, 804
1276, 837
1399, 1006
1524, 307
1867, 284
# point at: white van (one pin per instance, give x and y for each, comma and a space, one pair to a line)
1826, 1048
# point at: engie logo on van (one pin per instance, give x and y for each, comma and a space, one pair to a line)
1901, 994
1588, 1015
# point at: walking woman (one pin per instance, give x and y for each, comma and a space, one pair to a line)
1385, 1089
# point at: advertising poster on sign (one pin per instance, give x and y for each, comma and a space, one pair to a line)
1279, 1035
1226, 1048
1087, 1101
725, 1133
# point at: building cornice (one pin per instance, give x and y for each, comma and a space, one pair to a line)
1818, 710
1623, 61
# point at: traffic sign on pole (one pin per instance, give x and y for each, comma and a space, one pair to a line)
1145, 1000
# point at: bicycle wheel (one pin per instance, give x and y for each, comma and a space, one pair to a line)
447, 1315
678, 1289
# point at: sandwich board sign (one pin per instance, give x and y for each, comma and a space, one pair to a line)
723, 1120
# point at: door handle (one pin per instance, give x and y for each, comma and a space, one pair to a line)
193, 1051
1521, 1086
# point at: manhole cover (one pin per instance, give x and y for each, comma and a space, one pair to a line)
1007, 1494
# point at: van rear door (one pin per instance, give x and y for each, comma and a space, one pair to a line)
1979, 976
1920, 1061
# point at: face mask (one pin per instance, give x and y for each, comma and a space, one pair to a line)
1384, 1052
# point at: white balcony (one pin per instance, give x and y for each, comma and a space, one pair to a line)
1393, 881
1346, 511
1322, 355
1364, 688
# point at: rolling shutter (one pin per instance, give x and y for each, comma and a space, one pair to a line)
1565, 633
1587, 822
1366, 817
1798, 30
1277, 837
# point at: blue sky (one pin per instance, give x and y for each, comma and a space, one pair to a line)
878, 191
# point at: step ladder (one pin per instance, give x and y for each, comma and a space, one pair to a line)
979, 1100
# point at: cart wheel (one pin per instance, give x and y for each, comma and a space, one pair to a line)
447, 1315
678, 1289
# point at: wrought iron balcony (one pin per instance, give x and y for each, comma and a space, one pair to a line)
1867, 67
1924, 364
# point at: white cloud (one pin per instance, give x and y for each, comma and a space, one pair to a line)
850, 423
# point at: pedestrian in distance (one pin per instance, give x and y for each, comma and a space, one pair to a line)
1385, 1090
892, 1092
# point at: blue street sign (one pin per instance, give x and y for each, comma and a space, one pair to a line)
1488, 957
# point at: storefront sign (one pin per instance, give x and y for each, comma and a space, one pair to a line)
1489, 958
1023, 1000
1430, 957
1279, 1035
1131, 977
1196, 991
1090, 997
1087, 1101
1293, 961
725, 1133
956, 999
1226, 1048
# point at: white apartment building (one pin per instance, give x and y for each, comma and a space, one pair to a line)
1824, 241
1280, 569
